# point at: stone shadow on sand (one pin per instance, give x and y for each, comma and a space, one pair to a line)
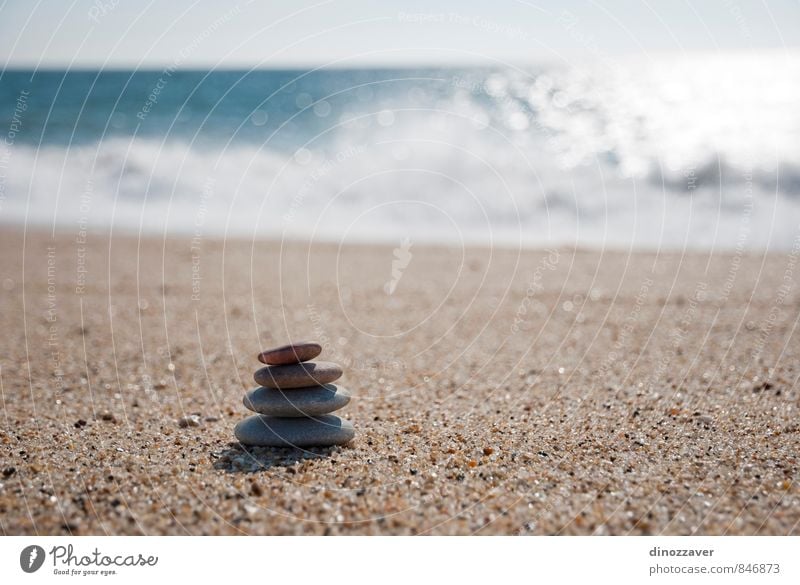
238, 458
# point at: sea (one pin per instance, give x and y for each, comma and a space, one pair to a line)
672, 151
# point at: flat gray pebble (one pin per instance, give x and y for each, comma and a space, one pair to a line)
309, 401
270, 431
298, 375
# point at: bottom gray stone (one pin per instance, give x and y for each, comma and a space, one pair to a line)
272, 431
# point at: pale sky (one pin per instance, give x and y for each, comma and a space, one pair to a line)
285, 33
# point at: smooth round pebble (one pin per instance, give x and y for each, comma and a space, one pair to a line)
268, 431
310, 401
291, 353
298, 375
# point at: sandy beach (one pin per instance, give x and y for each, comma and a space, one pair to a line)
496, 391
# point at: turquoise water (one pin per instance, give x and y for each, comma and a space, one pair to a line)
81, 107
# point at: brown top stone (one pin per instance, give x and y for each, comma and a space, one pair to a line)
291, 353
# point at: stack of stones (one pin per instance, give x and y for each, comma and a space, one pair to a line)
295, 400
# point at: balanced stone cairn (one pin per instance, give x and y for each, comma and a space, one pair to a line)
294, 401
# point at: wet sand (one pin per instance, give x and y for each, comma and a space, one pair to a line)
495, 391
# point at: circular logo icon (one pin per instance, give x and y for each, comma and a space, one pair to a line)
31, 558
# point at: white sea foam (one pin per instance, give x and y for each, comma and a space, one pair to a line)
477, 189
